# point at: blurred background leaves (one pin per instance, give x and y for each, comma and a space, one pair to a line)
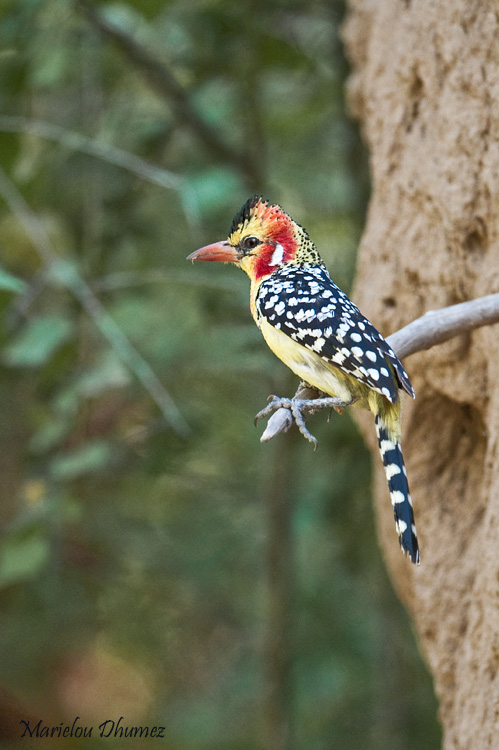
156, 560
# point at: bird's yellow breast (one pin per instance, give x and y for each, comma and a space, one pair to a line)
315, 371
309, 366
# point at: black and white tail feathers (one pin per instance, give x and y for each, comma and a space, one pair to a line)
393, 461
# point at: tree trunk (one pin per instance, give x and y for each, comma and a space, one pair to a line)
425, 86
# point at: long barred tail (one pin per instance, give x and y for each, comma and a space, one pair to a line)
393, 461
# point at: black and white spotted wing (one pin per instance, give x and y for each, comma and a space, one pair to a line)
305, 304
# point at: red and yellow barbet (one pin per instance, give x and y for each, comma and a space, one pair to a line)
313, 327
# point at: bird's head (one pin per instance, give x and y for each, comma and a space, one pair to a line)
262, 239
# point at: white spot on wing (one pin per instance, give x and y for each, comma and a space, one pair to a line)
338, 357
300, 315
343, 329
318, 344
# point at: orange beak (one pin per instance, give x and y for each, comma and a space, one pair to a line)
221, 251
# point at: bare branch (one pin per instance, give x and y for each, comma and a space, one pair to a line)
92, 147
111, 154
162, 80
437, 326
433, 328
67, 275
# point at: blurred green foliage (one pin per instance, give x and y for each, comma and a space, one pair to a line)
133, 562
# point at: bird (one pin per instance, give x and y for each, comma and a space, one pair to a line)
320, 334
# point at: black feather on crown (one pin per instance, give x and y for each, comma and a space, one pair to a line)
246, 211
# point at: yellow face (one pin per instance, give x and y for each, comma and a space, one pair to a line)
252, 227
249, 240
264, 239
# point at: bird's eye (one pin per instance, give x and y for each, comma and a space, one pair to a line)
249, 243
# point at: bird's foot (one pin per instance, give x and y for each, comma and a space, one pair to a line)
298, 408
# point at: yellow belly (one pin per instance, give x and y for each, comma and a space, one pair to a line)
310, 367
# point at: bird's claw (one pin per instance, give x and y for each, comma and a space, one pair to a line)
275, 404
299, 407
295, 406
296, 410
